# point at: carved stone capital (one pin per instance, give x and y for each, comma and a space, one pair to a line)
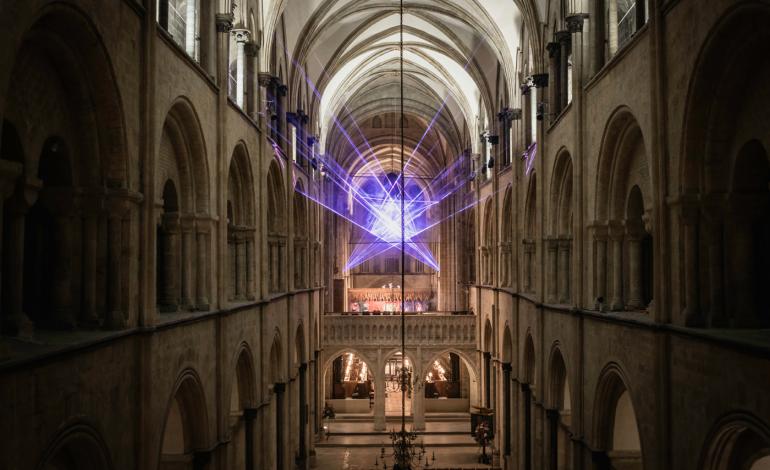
563, 37
241, 35
540, 80
575, 22
224, 22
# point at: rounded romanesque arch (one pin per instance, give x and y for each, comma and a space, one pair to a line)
488, 246
529, 242
506, 240
78, 446
624, 216
560, 229
301, 237
241, 227
184, 222
724, 176
276, 228
450, 381
67, 164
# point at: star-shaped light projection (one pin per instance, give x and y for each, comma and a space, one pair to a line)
382, 219
376, 209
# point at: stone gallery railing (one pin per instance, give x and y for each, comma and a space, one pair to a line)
459, 330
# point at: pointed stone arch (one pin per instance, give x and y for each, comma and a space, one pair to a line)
615, 425
79, 445
737, 440
185, 429
243, 409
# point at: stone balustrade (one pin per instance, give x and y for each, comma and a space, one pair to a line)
421, 330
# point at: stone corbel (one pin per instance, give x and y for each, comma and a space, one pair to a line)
265, 79
647, 221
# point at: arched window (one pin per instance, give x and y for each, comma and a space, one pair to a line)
276, 223
240, 228
181, 20
623, 18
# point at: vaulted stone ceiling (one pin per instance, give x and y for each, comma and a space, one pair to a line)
460, 56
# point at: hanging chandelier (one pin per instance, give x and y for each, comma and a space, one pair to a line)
406, 454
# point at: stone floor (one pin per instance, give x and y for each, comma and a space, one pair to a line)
353, 444
343, 458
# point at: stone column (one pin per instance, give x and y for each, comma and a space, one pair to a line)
554, 53
565, 44
527, 281
240, 257
634, 271
249, 421
251, 52
9, 172
553, 247
241, 37
552, 418
505, 268
418, 394
61, 296
692, 314
115, 318
187, 227
202, 240
506, 419
15, 322
170, 290
89, 316
250, 286
564, 270
616, 239
600, 289
739, 264
716, 284
379, 396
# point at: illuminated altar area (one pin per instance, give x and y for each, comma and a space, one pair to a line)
387, 300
